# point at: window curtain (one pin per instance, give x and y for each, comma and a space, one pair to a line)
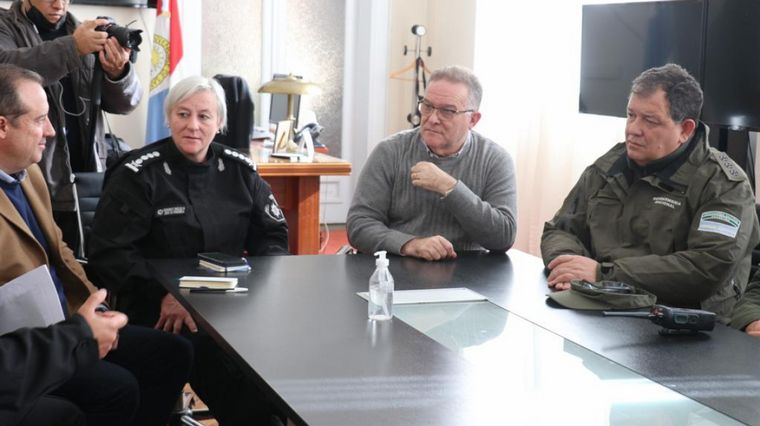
527, 55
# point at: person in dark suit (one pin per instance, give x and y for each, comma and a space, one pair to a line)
27, 392
147, 366
175, 198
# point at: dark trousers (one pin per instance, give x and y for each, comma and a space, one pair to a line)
52, 410
67, 221
138, 383
232, 397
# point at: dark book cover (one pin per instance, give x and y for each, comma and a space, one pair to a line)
222, 259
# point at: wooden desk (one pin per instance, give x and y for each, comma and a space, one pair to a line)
296, 188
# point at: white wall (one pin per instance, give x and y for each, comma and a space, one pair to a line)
450, 33
231, 43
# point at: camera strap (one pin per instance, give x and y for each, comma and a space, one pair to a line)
96, 91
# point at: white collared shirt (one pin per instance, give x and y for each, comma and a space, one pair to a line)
5, 177
456, 154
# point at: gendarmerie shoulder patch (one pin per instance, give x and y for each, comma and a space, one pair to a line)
732, 171
242, 158
138, 163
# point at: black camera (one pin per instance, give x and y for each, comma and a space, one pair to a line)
128, 38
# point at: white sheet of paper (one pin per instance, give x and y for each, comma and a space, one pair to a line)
432, 295
29, 301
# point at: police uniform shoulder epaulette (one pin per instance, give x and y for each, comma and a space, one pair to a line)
239, 157
138, 163
729, 167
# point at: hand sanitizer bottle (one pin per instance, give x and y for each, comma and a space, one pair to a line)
380, 305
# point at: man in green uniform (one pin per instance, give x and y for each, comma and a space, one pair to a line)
747, 312
662, 211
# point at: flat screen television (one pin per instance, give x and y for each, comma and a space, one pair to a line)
619, 41
717, 41
731, 73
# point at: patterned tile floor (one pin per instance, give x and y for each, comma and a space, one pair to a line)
335, 238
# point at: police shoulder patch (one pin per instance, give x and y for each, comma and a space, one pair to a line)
729, 167
272, 209
138, 163
239, 157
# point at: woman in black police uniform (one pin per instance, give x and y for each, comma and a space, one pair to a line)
174, 199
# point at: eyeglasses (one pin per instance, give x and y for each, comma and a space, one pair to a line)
426, 109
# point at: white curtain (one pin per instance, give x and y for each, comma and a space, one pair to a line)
527, 55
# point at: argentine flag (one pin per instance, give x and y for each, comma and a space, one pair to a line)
166, 67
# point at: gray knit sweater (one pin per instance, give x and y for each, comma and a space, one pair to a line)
387, 211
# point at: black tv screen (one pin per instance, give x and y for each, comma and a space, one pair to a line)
731, 79
619, 41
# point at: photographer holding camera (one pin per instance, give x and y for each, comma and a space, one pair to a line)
41, 35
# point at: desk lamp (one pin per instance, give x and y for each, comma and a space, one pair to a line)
290, 86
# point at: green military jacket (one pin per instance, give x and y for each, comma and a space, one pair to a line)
684, 233
748, 309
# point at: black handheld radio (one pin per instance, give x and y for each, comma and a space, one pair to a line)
674, 320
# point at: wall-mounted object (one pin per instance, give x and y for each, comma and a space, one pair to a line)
420, 70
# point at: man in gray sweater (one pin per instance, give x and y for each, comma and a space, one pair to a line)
439, 188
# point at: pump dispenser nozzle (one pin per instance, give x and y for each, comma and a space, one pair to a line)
381, 259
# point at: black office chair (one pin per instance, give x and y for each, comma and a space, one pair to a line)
239, 112
87, 189
185, 414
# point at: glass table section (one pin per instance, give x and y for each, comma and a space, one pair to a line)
536, 377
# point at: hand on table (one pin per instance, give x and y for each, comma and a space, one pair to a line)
753, 329
430, 248
568, 267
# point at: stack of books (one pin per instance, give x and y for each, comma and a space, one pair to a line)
222, 262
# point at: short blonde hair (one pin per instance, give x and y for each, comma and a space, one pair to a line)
189, 87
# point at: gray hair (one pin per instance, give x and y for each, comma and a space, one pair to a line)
11, 105
457, 74
190, 86
681, 90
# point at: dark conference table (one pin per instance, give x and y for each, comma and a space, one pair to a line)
303, 333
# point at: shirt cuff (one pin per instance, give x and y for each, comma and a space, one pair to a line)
450, 190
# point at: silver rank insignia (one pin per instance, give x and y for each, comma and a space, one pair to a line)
136, 164
240, 157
